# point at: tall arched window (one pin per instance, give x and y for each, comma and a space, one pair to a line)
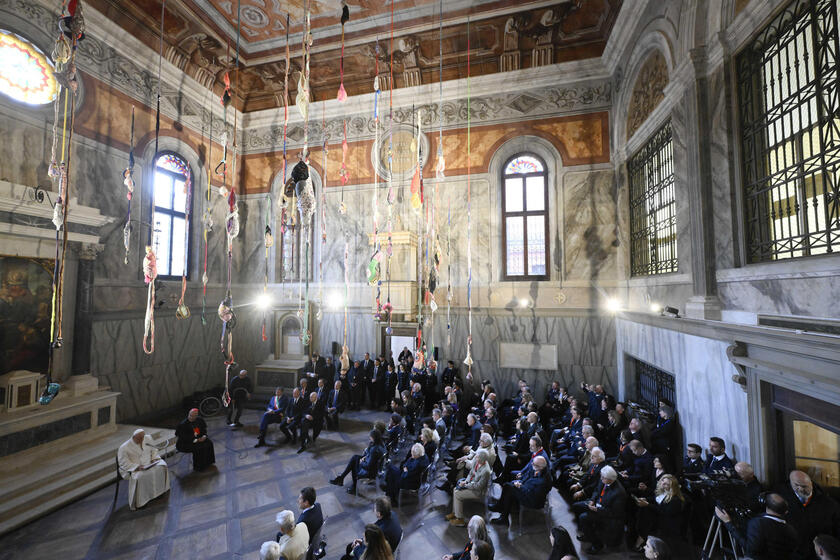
525, 218
171, 238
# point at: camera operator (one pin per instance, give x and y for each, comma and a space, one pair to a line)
768, 536
753, 489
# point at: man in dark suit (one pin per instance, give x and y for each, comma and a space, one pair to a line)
768, 536
322, 392
310, 512
531, 490
693, 460
640, 469
391, 382
449, 374
810, 512
376, 384
356, 377
336, 404
716, 458
664, 436
274, 414
313, 418
239, 389
294, 416
602, 516
305, 388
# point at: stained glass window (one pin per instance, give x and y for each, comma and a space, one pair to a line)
171, 238
25, 73
523, 164
525, 219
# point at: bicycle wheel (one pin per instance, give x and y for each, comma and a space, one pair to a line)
209, 406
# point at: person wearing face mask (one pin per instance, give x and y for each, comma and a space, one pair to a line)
810, 511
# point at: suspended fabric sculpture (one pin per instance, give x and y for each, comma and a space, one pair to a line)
71, 32
374, 271
417, 203
325, 149
182, 311
345, 17
284, 203
440, 168
469, 360
150, 259
207, 222
389, 307
128, 182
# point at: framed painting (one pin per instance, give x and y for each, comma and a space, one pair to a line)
25, 311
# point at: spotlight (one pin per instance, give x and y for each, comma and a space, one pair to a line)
264, 301
335, 300
524, 302
655, 308
672, 312
613, 305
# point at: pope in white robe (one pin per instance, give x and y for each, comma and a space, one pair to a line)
142, 466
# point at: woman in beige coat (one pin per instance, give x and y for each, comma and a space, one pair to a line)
473, 487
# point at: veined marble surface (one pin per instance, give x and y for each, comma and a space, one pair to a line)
709, 403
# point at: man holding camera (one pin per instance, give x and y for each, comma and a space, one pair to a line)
768, 536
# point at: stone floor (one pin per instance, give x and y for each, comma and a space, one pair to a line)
229, 511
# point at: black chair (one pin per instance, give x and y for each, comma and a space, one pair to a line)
315, 542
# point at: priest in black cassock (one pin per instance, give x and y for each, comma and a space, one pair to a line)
192, 438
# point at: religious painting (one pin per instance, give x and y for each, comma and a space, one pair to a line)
25, 296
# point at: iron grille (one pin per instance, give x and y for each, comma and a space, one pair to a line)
652, 385
788, 81
653, 220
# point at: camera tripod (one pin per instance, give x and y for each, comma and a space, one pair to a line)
714, 540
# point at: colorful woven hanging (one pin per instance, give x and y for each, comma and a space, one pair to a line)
345, 17
469, 360
128, 182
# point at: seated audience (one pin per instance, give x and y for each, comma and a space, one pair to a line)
664, 516
336, 404
374, 546
270, 550
584, 482
366, 465
693, 462
476, 532
145, 470
472, 487
461, 465
310, 511
275, 413
529, 490
602, 517
192, 438
768, 536
482, 550
292, 538
409, 477
313, 419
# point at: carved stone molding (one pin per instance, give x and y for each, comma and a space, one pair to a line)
89, 251
648, 91
483, 110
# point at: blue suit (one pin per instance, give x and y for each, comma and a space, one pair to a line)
274, 413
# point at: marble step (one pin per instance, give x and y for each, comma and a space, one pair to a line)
64, 459
59, 479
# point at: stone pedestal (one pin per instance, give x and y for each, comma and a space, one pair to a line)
704, 307
282, 372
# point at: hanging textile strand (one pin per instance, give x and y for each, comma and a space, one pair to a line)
389, 307
182, 311
150, 260
71, 32
320, 314
345, 17
207, 221
284, 203
469, 360
304, 190
128, 181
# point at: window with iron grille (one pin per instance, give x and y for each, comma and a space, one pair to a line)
653, 213
789, 100
652, 385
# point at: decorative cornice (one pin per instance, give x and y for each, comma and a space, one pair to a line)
484, 110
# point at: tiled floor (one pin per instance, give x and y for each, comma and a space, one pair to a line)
229, 511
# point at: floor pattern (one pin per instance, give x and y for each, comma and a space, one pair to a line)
228, 511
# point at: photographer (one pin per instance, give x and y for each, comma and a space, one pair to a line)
768, 536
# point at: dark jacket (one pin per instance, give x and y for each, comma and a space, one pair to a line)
371, 460
317, 411
820, 515
343, 396
713, 465
534, 489
281, 404
391, 528
410, 478
239, 387
613, 508
663, 436
670, 517
766, 538
313, 518
465, 554
641, 469
296, 410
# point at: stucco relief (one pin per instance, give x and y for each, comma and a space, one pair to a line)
648, 91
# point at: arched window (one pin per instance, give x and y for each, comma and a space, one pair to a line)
171, 238
525, 218
26, 75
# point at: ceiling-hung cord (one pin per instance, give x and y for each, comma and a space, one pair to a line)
469, 360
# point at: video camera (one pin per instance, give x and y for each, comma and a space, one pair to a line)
724, 491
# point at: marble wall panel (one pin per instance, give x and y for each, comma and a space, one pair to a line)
708, 401
590, 229
723, 199
809, 297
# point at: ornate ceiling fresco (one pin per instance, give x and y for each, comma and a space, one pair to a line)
200, 39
